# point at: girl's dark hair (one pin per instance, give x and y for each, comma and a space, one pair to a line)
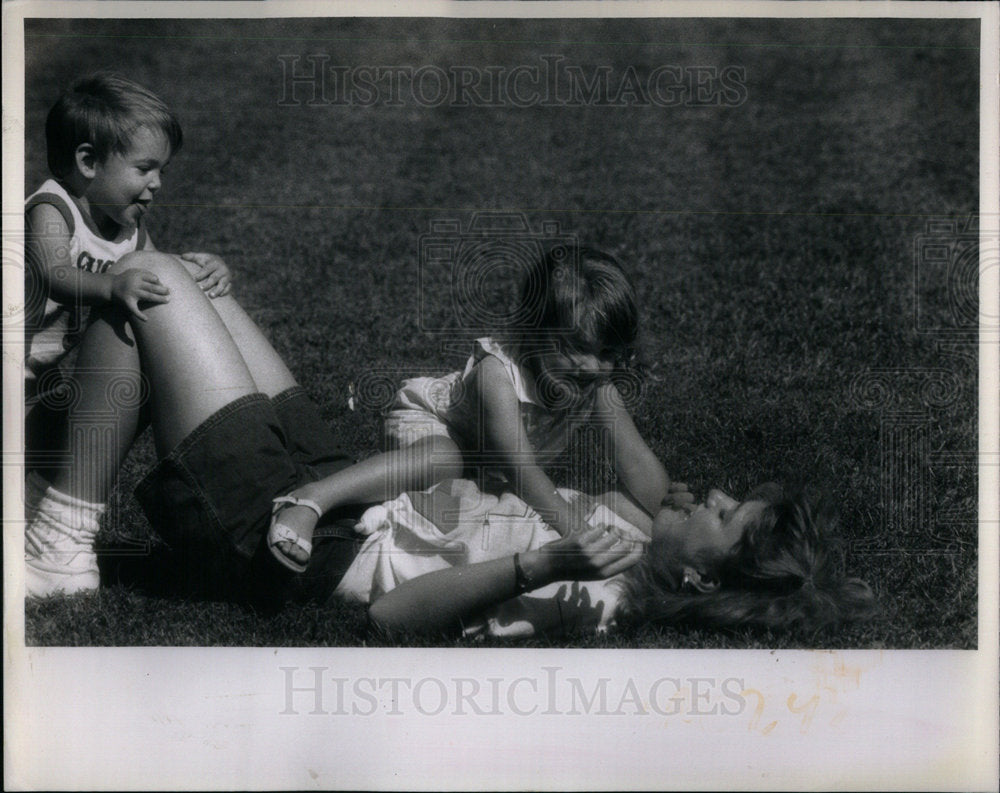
786, 572
579, 297
105, 110
582, 295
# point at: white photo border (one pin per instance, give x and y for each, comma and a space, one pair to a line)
124, 718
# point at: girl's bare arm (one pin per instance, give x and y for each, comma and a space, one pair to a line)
506, 438
638, 469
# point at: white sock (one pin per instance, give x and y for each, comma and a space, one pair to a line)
59, 534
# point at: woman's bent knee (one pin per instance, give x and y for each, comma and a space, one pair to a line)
169, 270
162, 265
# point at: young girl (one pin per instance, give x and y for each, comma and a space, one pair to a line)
512, 409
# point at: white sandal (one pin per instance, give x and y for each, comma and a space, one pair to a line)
279, 532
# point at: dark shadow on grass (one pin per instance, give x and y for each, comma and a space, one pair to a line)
175, 571
199, 567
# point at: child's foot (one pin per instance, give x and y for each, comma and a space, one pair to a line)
293, 520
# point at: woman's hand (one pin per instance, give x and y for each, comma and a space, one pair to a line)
448, 598
592, 554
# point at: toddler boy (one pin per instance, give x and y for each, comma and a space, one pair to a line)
109, 141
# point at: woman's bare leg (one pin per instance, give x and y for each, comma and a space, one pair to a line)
266, 367
109, 391
377, 478
190, 360
192, 367
106, 393
62, 519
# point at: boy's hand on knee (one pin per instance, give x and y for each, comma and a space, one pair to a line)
214, 277
131, 287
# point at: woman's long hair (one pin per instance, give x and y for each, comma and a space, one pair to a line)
786, 572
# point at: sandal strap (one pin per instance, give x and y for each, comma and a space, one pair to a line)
308, 503
282, 533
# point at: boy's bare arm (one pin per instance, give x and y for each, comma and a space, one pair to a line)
213, 276
47, 252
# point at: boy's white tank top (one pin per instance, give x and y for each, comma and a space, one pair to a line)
52, 329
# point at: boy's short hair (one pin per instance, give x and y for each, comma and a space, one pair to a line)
104, 109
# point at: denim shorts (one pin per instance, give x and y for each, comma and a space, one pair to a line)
210, 498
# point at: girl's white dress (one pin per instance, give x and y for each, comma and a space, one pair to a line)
428, 406
455, 524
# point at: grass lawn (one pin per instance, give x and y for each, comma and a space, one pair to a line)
772, 244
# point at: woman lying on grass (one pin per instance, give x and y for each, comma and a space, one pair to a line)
491, 565
233, 431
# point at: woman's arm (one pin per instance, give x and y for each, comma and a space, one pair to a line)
447, 599
505, 436
638, 469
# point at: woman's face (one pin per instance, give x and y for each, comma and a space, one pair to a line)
710, 532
